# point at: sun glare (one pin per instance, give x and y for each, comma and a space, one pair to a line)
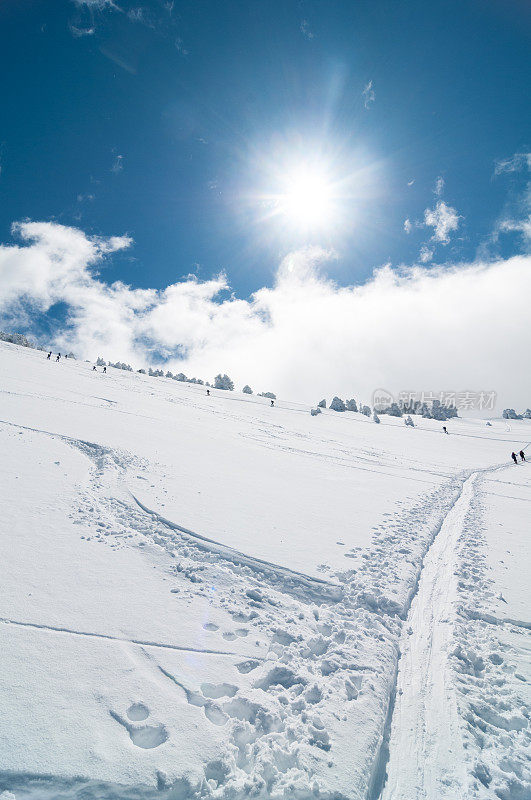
307, 198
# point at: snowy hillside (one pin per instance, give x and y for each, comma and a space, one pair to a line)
207, 596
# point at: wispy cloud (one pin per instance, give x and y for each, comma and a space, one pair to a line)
515, 163
179, 45
96, 4
306, 30
75, 30
522, 226
118, 164
407, 225
516, 217
301, 336
439, 186
368, 94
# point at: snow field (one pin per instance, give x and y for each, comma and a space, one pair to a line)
207, 597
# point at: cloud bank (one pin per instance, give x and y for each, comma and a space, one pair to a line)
453, 328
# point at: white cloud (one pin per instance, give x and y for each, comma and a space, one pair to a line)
407, 225
411, 182
438, 328
443, 219
517, 162
368, 95
426, 254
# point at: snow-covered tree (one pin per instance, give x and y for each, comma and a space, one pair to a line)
121, 365
321, 404
394, 410
223, 382
375, 417
527, 413
270, 395
180, 377
315, 411
142, 371
17, 338
510, 413
169, 374
352, 405
337, 404
247, 390
365, 410
408, 421
101, 362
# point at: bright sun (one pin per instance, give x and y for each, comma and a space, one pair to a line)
307, 198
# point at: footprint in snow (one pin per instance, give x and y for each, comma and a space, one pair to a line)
216, 690
246, 666
137, 712
210, 626
145, 736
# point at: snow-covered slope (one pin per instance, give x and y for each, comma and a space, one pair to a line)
207, 596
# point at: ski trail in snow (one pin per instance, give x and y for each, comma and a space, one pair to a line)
426, 752
109, 636
290, 580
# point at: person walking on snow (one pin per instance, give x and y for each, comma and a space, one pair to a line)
522, 456
94, 369
58, 357
513, 456
444, 429
104, 370
208, 392
272, 402
49, 355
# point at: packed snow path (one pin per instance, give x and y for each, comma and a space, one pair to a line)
426, 753
235, 631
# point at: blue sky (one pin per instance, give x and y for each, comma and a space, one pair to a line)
175, 125
185, 102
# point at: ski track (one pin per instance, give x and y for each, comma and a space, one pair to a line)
113, 638
285, 579
426, 759
422, 755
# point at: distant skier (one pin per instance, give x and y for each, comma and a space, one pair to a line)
94, 368
58, 357
104, 370
208, 392
272, 402
513, 456
444, 429
522, 456
49, 355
